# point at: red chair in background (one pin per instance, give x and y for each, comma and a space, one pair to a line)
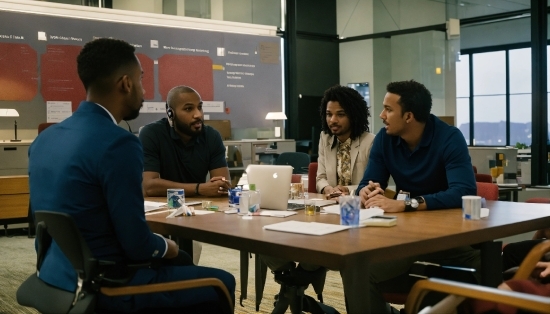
43, 126
487, 190
296, 178
312, 178
481, 177
543, 200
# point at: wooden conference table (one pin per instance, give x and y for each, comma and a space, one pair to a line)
352, 251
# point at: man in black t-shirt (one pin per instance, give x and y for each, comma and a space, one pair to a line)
180, 150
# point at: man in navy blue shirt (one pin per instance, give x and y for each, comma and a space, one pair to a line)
429, 161
425, 156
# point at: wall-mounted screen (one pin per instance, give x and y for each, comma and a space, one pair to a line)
38, 66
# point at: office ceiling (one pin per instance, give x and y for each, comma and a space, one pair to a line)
475, 8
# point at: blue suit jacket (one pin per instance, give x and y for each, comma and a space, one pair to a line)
90, 168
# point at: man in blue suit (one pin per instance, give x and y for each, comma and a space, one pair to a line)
90, 168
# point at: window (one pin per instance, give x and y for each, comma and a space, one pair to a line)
463, 96
493, 91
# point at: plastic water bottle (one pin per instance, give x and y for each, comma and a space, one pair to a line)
254, 199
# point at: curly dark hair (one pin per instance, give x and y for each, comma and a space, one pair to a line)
353, 104
101, 58
414, 97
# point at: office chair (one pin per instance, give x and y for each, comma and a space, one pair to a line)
541, 200
61, 228
298, 161
296, 178
487, 190
482, 177
458, 292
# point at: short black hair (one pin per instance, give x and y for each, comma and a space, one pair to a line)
101, 58
353, 104
414, 97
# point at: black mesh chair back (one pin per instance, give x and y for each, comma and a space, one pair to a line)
92, 279
48, 299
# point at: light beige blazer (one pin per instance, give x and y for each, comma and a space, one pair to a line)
326, 169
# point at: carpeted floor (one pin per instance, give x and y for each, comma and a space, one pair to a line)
18, 259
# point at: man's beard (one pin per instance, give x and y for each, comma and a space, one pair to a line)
186, 128
135, 112
132, 115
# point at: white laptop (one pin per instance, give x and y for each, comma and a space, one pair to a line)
273, 182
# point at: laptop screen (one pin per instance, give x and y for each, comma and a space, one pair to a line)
273, 182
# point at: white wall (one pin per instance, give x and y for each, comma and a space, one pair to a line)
404, 57
151, 6
382, 76
392, 15
356, 58
354, 18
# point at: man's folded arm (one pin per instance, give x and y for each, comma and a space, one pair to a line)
154, 185
376, 170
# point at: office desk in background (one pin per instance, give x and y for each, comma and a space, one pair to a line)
241, 153
352, 251
14, 159
509, 193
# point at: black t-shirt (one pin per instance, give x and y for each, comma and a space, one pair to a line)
165, 153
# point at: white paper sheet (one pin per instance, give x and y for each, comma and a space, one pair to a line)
311, 228
277, 213
149, 206
57, 111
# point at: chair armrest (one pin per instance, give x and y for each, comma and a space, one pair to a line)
520, 300
529, 262
217, 284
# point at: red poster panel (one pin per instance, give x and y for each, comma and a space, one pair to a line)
18, 72
59, 76
148, 80
193, 71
